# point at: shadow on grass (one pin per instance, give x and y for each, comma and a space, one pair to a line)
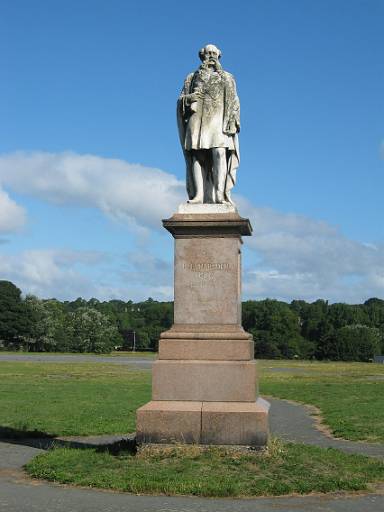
45, 441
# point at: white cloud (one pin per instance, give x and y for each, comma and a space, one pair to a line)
137, 195
66, 274
144, 268
12, 216
290, 256
49, 273
299, 257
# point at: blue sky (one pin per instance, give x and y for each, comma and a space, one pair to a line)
90, 158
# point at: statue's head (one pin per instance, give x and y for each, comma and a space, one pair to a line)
210, 55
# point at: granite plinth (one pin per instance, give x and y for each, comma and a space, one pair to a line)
235, 423
209, 350
207, 281
204, 385
168, 422
217, 423
197, 225
226, 342
206, 332
223, 381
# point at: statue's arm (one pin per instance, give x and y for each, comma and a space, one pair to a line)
237, 113
233, 123
186, 96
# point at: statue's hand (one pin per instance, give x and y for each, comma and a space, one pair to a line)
195, 96
232, 127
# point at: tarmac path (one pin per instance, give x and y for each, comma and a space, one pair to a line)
140, 362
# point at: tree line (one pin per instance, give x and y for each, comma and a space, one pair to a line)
316, 330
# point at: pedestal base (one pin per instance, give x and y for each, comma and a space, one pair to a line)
204, 385
219, 423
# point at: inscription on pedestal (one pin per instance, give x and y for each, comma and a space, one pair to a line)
203, 274
207, 281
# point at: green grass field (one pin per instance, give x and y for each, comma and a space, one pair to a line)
350, 396
97, 398
283, 469
71, 399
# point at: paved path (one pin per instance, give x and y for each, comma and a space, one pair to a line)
78, 358
293, 422
290, 421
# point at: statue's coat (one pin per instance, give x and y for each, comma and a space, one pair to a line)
210, 122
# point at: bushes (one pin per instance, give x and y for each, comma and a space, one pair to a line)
357, 342
280, 330
339, 332
92, 331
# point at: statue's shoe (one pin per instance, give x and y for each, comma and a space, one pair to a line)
195, 200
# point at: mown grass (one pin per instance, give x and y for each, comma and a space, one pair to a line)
71, 399
350, 396
283, 469
97, 398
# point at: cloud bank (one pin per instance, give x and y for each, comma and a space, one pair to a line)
289, 256
131, 193
299, 257
68, 274
12, 216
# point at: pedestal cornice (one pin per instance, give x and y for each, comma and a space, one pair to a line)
198, 225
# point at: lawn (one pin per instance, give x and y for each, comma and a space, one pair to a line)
283, 469
97, 398
350, 396
71, 399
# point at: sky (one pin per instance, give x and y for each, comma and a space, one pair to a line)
90, 160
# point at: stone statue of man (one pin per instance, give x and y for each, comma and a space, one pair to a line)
208, 114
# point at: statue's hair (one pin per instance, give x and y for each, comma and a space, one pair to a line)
208, 47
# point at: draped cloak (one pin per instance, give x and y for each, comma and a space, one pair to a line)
211, 122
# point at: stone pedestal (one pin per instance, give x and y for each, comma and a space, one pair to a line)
204, 387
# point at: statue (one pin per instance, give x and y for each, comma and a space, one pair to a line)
208, 115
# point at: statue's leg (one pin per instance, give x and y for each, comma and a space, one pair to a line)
197, 172
219, 172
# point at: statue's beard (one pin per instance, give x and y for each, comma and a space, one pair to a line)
214, 63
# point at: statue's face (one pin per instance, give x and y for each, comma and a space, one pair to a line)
211, 56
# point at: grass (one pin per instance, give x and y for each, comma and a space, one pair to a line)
97, 398
283, 469
71, 399
350, 396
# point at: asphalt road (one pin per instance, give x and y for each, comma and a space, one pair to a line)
78, 358
20, 495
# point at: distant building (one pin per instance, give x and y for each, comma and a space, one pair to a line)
378, 359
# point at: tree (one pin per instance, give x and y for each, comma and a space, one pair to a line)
340, 315
357, 342
48, 330
92, 331
312, 318
374, 309
14, 318
275, 328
